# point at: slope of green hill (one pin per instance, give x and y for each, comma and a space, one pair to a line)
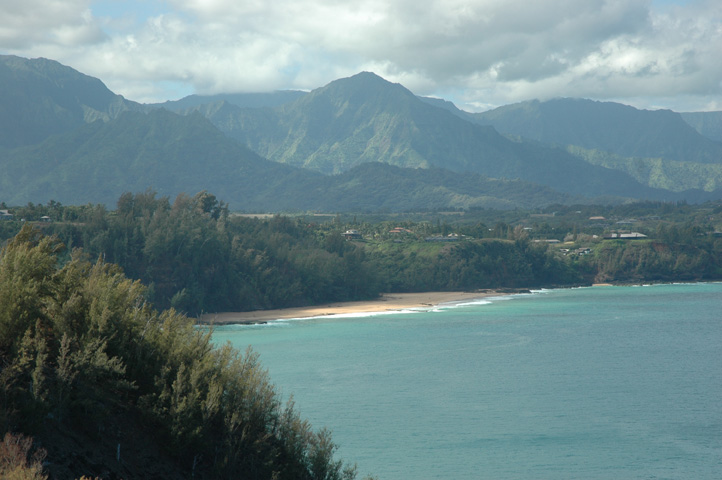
658, 172
375, 186
160, 150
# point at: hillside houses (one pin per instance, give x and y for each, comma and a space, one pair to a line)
452, 237
624, 236
352, 235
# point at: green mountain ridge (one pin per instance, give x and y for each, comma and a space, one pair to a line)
352, 121
364, 118
79, 142
606, 126
172, 154
660, 149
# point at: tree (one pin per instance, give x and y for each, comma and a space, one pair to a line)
81, 342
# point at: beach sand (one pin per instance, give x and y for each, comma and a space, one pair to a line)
385, 303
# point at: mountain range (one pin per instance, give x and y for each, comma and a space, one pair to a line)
357, 144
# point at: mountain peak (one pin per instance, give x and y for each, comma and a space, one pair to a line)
366, 76
364, 82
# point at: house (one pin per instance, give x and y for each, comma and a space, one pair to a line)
46, 219
5, 215
398, 230
352, 235
625, 236
452, 237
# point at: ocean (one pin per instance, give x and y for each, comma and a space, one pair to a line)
586, 383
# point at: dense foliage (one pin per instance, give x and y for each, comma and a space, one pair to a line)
19, 460
194, 256
79, 346
471, 265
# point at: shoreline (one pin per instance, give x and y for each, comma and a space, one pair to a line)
388, 302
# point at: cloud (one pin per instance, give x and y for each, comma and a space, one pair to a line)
485, 52
32, 23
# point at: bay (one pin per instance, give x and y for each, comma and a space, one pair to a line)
601, 382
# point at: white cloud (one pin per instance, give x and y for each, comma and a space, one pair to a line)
487, 52
31, 23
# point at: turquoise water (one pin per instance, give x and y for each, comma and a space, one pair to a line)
589, 383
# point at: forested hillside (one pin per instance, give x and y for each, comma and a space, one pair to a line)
99, 161
194, 256
111, 388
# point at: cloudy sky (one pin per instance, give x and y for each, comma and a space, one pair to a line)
477, 53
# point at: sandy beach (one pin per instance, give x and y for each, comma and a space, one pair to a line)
385, 303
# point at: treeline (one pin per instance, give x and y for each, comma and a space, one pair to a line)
84, 354
471, 265
698, 258
194, 256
